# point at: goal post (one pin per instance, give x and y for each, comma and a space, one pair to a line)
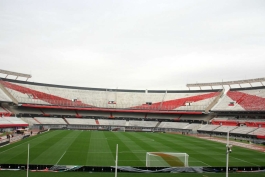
166, 159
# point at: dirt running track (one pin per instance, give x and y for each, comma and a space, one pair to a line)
234, 143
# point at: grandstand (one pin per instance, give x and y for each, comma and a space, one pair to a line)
211, 110
28, 93
7, 122
243, 99
207, 112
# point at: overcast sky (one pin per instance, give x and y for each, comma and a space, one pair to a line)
133, 44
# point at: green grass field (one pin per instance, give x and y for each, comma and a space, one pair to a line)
97, 148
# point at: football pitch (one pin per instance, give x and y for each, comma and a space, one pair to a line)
98, 148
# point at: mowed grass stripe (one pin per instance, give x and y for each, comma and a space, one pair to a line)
98, 148
44, 147
19, 150
57, 147
130, 153
76, 153
150, 143
113, 140
99, 153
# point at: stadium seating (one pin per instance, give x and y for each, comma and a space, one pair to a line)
243, 130
259, 131
4, 112
44, 94
208, 127
255, 124
224, 129
82, 121
193, 127
142, 123
225, 122
245, 99
176, 125
50, 120
6, 122
4, 97
112, 122
30, 120
194, 102
28, 95
131, 105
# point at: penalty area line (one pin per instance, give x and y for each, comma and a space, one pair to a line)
205, 163
60, 158
245, 161
200, 162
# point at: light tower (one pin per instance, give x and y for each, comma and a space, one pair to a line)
228, 151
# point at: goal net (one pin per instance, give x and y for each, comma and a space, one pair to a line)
166, 159
118, 129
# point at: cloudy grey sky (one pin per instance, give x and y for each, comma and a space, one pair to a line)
133, 44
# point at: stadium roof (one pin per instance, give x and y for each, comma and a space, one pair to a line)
15, 74
248, 81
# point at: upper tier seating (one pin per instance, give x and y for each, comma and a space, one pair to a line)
25, 94
182, 101
32, 93
4, 97
249, 99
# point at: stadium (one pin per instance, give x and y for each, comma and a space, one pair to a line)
209, 129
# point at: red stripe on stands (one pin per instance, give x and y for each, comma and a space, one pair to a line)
13, 125
255, 124
49, 98
261, 136
173, 104
37, 120
247, 101
111, 110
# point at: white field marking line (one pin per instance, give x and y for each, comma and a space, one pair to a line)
17, 145
245, 161
204, 163
201, 162
60, 158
